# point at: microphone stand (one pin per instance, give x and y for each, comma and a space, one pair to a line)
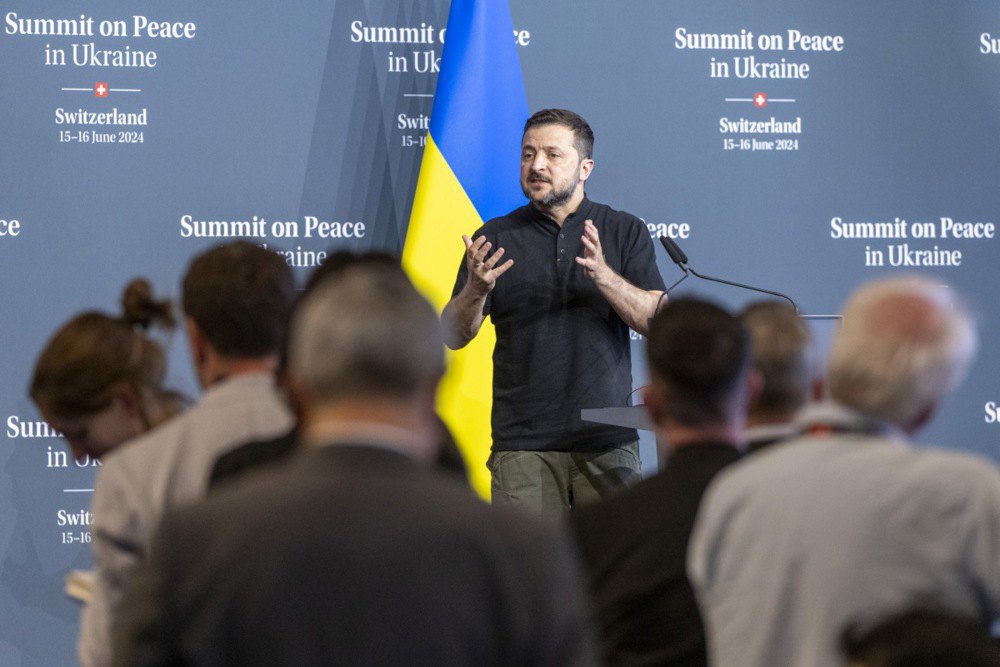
755, 289
682, 279
680, 259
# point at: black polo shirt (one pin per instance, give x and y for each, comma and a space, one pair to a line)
560, 346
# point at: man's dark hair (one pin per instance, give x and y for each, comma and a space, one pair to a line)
700, 354
240, 296
583, 136
921, 638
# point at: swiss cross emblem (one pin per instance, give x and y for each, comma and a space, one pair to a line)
101, 89
760, 100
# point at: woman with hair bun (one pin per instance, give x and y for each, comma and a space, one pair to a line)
99, 380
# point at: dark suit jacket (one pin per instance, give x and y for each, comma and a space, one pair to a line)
255, 455
634, 547
354, 555
235, 463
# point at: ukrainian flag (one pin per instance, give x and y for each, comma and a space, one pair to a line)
469, 174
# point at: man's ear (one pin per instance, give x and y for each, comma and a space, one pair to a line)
196, 340
755, 385
586, 169
921, 420
652, 397
818, 388
201, 349
297, 397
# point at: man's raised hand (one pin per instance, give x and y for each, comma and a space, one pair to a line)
593, 254
483, 269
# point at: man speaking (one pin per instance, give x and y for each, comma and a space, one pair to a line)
563, 279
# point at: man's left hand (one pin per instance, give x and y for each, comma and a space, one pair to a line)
593, 254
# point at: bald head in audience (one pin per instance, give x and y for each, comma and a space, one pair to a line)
904, 344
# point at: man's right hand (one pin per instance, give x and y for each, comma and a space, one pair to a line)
463, 315
483, 269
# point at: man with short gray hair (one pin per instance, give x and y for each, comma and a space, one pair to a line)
850, 521
356, 551
393, 353
783, 358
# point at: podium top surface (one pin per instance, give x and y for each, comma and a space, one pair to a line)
630, 417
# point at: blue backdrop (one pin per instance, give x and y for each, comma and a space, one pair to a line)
778, 141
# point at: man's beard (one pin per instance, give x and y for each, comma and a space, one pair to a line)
555, 197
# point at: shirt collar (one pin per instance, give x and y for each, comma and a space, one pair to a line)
834, 417
701, 450
371, 434
239, 385
581, 213
771, 432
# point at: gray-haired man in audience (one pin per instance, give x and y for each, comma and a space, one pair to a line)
850, 521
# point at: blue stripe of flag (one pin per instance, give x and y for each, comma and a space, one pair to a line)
480, 105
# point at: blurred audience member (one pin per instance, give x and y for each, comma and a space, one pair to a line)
449, 457
99, 380
237, 299
851, 521
258, 454
634, 544
921, 638
357, 551
784, 357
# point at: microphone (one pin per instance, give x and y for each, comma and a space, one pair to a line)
674, 251
680, 259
